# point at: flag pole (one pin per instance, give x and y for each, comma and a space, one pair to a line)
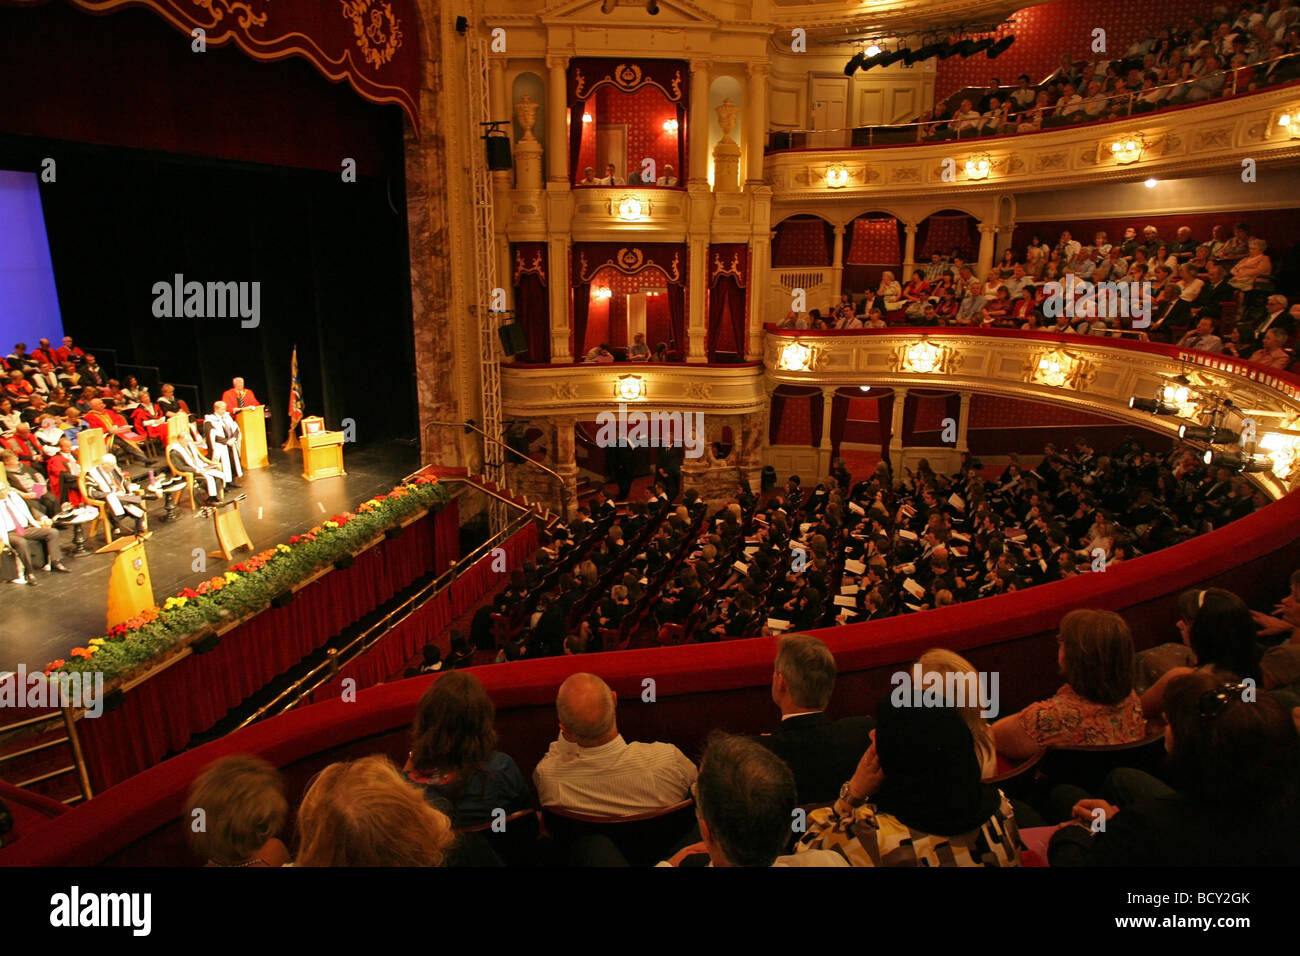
295, 403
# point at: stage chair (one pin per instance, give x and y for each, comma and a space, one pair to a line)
178, 428
644, 838
90, 450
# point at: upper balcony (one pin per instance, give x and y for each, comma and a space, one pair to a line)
1215, 135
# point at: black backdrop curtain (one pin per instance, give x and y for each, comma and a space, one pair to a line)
776, 409
532, 302
332, 266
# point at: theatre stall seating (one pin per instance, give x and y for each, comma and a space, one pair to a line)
678, 694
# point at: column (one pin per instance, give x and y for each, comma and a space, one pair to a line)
697, 125
837, 264
824, 452
753, 438
756, 296
896, 433
557, 287
988, 233
697, 252
909, 251
962, 421
557, 132
755, 131
566, 465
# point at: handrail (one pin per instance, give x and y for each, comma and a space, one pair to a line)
1128, 95
564, 490
69, 716
337, 657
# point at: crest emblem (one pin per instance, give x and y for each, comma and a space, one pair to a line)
377, 29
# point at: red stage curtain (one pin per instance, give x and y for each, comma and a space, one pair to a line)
776, 408
161, 715
874, 242
677, 317
576, 125
532, 303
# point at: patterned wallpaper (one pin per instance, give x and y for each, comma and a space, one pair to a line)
1044, 32
802, 241
644, 113
875, 242
943, 233
607, 318
996, 411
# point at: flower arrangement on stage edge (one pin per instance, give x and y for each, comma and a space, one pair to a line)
250, 585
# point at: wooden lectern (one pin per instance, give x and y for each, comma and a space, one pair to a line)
129, 589
252, 427
231, 535
322, 451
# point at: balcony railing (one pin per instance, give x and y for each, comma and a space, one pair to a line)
1119, 106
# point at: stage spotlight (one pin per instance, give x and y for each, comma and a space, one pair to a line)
885, 59
964, 49
1152, 405
854, 64
910, 56
608, 6
873, 50
981, 45
930, 50
1000, 47
1239, 463
1208, 433
652, 8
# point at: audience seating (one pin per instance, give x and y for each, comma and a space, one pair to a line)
643, 839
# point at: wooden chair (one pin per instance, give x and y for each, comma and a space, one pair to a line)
1016, 780
644, 838
178, 429
90, 451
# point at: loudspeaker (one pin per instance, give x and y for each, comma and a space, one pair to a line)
498, 152
513, 341
462, 24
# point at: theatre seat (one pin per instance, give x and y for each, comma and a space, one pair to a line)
644, 839
515, 840
1087, 767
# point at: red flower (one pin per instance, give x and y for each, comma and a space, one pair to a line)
55, 665
295, 539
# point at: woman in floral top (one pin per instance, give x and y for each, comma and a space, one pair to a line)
1097, 706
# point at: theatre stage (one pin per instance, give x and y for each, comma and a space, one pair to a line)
40, 624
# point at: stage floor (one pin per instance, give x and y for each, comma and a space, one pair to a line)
40, 624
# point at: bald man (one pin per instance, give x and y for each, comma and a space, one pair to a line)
592, 769
237, 397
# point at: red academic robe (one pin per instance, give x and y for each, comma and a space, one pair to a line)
56, 468
231, 398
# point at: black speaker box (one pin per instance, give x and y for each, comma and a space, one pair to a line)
513, 340
498, 153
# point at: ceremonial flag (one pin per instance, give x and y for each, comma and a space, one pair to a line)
295, 402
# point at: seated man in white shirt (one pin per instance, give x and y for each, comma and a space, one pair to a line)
611, 177
589, 178
22, 530
1202, 337
669, 178
590, 768
745, 804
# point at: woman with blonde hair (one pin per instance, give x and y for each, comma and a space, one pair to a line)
890, 292
364, 813
240, 801
943, 661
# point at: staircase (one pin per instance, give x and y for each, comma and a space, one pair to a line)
548, 518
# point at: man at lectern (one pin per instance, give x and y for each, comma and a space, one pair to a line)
21, 528
239, 397
105, 482
222, 435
